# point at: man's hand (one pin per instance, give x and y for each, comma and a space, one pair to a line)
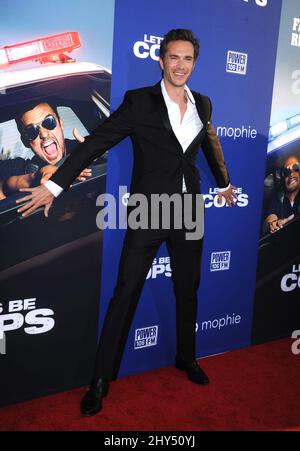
86, 172
229, 195
278, 224
77, 135
46, 172
40, 196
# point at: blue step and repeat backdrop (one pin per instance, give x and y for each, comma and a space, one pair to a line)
236, 69
58, 274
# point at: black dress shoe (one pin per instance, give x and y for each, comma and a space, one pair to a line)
91, 403
193, 370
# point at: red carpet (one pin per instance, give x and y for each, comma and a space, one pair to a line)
256, 388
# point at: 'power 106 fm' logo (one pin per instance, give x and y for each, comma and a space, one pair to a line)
148, 48
236, 62
145, 337
220, 261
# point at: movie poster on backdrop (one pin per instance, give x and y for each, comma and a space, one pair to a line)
55, 79
235, 69
277, 307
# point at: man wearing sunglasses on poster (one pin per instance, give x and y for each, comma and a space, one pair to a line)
280, 212
41, 130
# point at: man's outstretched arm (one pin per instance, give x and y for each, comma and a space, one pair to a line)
214, 155
15, 182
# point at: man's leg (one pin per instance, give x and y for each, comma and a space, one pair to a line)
139, 250
185, 257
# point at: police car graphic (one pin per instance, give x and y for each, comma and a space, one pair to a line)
278, 249
80, 93
276, 307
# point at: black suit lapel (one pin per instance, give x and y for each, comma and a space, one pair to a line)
161, 106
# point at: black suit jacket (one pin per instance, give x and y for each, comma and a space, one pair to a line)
159, 161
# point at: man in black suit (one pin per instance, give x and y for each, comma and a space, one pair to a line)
167, 124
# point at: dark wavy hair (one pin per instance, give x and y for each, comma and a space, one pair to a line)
179, 34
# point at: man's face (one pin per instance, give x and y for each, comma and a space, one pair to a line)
178, 63
49, 145
292, 179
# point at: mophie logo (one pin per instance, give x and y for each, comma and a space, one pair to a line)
219, 323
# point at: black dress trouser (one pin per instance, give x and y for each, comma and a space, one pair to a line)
139, 250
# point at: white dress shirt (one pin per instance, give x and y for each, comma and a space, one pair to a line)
185, 130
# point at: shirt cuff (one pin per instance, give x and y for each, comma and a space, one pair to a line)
223, 189
55, 189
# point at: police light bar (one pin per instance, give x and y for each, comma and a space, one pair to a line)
48, 49
284, 132
278, 129
294, 120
